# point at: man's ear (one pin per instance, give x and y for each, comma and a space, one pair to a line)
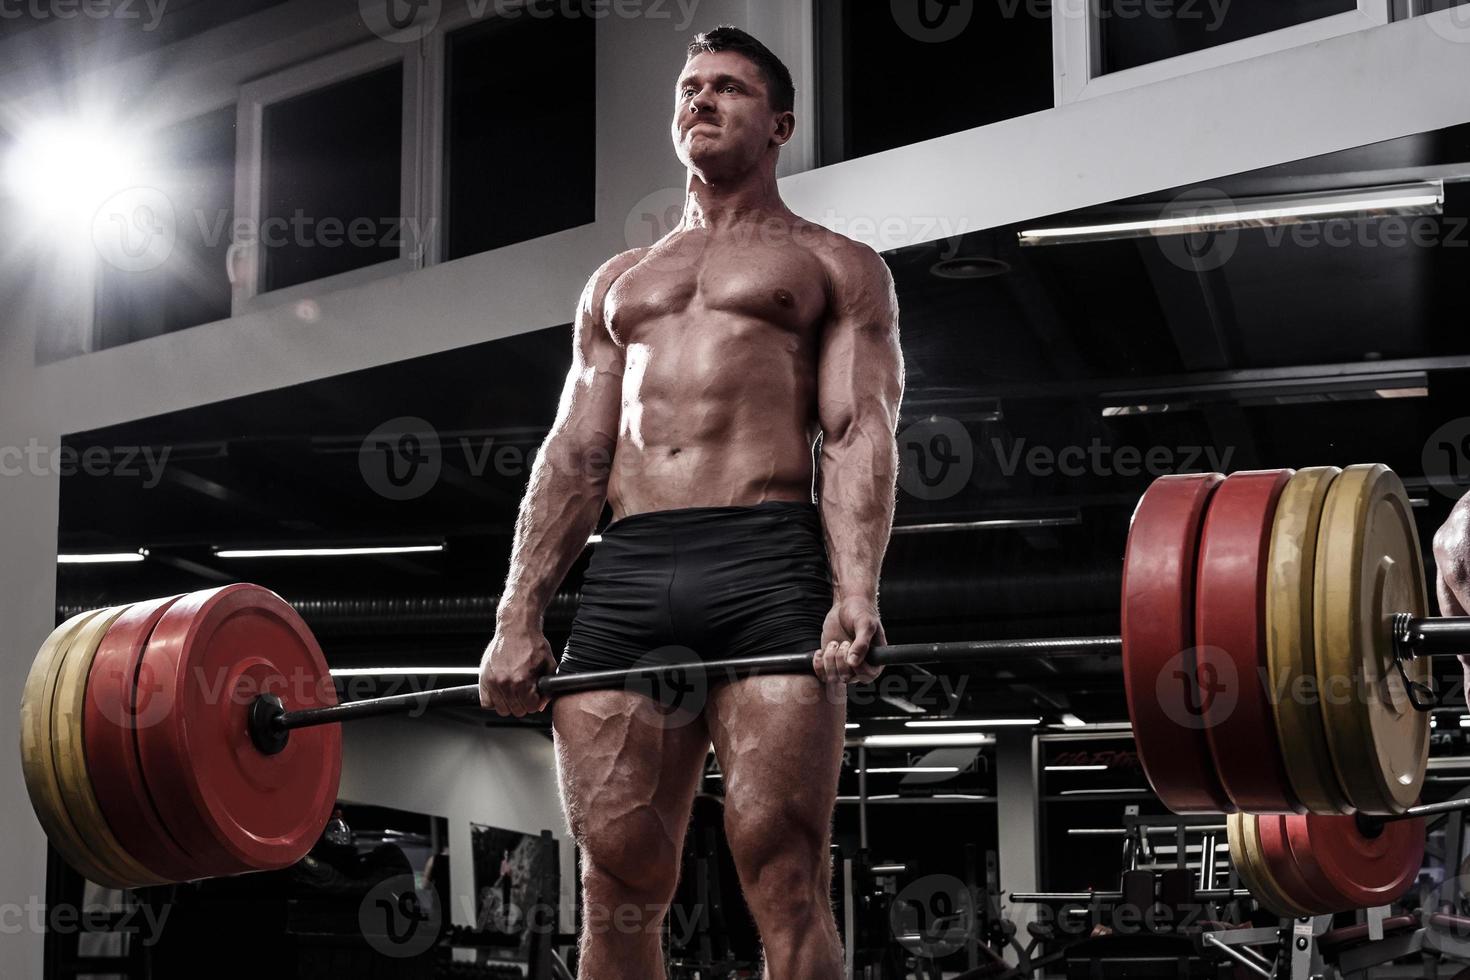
785, 127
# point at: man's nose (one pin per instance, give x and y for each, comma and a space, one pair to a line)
702, 102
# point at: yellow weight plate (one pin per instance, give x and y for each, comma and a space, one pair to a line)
1235, 836
37, 763
1272, 895
1291, 642
69, 753
1369, 566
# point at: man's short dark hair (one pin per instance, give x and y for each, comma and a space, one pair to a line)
778, 77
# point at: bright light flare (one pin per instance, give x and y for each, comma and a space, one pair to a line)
65, 171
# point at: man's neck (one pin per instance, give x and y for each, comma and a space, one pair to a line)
716, 205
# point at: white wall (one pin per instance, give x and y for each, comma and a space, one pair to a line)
462, 773
1393, 81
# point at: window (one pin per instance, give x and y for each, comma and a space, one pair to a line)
520, 130
329, 176
331, 179
1121, 44
192, 167
896, 74
1135, 33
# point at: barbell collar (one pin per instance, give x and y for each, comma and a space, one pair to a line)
1433, 637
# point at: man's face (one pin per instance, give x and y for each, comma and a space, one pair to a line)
723, 120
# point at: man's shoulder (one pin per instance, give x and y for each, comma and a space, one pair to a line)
608, 273
618, 264
843, 257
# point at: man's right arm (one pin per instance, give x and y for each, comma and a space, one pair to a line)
1452, 567
563, 501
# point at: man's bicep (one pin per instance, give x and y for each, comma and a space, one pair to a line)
592, 393
861, 362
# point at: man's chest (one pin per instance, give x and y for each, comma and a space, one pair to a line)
784, 287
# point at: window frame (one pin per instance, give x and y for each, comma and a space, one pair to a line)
1077, 48
245, 265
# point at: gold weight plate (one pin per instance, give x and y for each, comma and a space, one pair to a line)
1291, 641
69, 753
1369, 566
37, 763
1235, 837
1272, 895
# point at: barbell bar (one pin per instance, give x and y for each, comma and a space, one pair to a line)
270, 722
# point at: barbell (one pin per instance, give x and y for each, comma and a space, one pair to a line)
197, 735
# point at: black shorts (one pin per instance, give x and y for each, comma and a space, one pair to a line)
720, 582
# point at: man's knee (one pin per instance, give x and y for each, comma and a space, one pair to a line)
630, 859
790, 887
782, 858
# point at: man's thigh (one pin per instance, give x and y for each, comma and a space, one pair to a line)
628, 774
779, 742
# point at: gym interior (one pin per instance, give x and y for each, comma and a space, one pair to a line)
289, 301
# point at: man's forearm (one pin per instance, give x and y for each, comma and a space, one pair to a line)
858, 473
567, 489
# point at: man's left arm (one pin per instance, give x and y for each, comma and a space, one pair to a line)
859, 387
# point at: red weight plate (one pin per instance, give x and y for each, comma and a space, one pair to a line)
1276, 850
1230, 627
110, 719
1367, 869
1159, 646
233, 808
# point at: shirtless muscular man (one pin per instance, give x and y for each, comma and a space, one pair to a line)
704, 370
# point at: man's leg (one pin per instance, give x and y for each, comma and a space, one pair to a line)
779, 742
628, 777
